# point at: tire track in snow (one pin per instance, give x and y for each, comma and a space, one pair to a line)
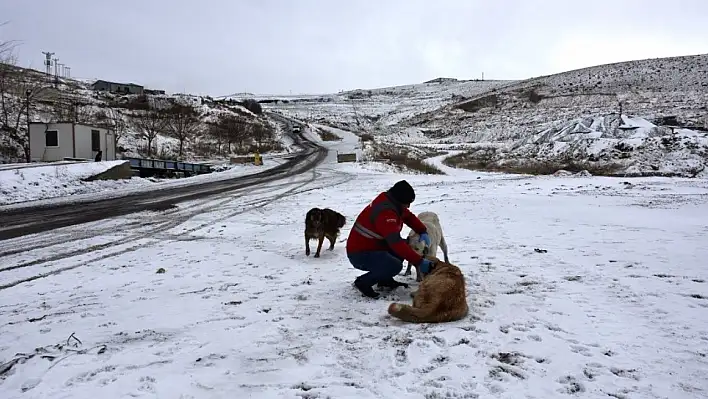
169, 224
183, 215
39, 241
172, 224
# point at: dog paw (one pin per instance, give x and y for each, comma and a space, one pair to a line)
317, 255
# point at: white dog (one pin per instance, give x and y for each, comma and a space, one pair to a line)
437, 239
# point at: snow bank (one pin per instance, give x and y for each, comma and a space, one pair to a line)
63, 183
46, 181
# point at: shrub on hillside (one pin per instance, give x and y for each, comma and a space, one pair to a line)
253, 106
366, 137
484, 160
326, 135
134, 103
533, 96
402, 158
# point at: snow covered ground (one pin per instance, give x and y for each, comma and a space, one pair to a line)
615, 307
54, 183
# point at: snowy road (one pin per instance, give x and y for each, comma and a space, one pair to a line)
614, 309
19, 221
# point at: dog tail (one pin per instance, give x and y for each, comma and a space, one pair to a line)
341, 220
423, 315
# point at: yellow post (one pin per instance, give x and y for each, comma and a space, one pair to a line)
257, 160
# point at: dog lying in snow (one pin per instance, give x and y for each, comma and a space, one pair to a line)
441, 296
437, 239
321, 223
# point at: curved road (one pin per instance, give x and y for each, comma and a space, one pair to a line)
24, 221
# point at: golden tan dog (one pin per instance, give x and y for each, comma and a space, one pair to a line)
441, 296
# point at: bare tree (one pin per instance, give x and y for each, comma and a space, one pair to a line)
241, 134
7, 48
183, 123
230, 129
214, 130
18, 89
68, 108
253, 106
112, 118
260, 134
150, 124
119, 125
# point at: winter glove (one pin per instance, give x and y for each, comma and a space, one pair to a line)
424, 237
425, 266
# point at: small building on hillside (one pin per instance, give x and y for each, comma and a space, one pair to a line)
55, 141
154, 91
187, 99
120, 88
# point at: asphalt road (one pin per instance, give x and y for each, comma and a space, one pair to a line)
24, 221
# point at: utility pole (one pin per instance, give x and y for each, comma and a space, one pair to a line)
48, 61
56, 72
28, 156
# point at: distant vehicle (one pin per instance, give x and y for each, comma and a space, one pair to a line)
296, 129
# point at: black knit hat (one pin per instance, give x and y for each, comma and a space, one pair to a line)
402, 192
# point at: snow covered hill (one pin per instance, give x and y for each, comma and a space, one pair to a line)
211, 137
376, 110
633, 118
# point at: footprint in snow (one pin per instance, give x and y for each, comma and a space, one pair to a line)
625, 373
581, 349
570, 385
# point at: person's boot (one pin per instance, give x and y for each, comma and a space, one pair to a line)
366, 290
391, 283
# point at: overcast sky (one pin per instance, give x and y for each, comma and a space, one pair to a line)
220, 47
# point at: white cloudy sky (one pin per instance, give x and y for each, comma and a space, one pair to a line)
220, 47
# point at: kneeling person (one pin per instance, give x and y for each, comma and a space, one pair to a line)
375, 244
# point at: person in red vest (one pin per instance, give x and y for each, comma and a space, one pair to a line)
375, 244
